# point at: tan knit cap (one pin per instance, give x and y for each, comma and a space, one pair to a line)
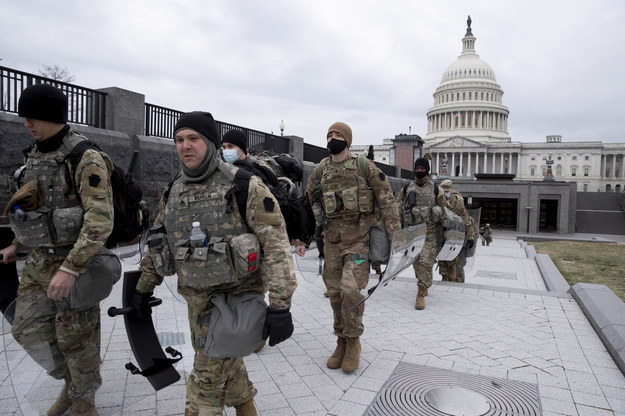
446, 184
344, 130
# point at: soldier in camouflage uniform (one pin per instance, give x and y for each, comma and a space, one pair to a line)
347, 188
234, 149
487, 235
43, 320
420, 203
452, 271
201, 193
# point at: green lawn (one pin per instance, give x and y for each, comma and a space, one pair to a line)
580, 262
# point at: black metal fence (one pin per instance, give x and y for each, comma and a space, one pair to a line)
88, 107
85, 106
160, 122
314, 153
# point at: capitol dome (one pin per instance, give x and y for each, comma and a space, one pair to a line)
468, 101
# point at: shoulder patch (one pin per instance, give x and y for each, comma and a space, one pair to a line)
382, 176
268, 204
94, 180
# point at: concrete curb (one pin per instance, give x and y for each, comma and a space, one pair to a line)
606, 313
554, 281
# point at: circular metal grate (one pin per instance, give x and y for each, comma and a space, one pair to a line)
457, 401
407, 390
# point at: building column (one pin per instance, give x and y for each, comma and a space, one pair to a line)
469, 165
613, 165
461, 164
453, 164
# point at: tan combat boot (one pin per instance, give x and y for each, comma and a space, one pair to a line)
246, 409
83, 406
63, 403
352, 355
420, 303
336, 359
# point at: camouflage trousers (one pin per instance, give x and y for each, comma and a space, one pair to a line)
425, 261
65, 342
447, 270
345, 274
460, 263
213, 383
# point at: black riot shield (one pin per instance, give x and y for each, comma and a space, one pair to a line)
8, 272
154, 364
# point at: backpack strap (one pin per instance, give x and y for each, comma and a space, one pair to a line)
73, 159
239, 190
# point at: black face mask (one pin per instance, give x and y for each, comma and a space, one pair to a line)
420, 175
336, 146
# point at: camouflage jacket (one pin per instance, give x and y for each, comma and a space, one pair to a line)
90, 188
456, 204
348, 200
427, 206
263, 220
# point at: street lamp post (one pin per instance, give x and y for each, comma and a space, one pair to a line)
282, 127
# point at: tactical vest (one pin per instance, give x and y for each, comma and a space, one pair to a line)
422, 210
345, 193
59, 220
226, 235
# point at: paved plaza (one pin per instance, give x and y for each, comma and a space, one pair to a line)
502, 324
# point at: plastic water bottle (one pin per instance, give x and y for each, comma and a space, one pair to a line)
21, 215
198, 238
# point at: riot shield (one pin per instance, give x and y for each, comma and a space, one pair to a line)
153, 363
405, 247
454, 236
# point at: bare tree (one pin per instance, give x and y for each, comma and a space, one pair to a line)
57, 73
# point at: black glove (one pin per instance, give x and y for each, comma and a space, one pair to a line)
470, 244
140, 304
278, 326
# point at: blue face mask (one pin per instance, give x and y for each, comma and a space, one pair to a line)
447, 194
230, 155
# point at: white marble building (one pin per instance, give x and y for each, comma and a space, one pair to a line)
468, 124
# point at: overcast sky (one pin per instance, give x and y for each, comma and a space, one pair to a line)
372, 64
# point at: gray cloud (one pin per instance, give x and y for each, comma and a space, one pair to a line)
374, 65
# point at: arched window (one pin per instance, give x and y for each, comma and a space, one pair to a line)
585, 170
533, 171
559, 170
573, 171
608, 188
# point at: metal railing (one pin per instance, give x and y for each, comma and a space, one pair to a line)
160, 122
314, 153
88, 107
85, 106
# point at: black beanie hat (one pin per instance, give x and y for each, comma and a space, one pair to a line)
200, 121
43, 102
422, 162
237, 138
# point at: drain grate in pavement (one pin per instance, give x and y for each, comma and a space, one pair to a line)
415, 390
170, 338
496, 275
